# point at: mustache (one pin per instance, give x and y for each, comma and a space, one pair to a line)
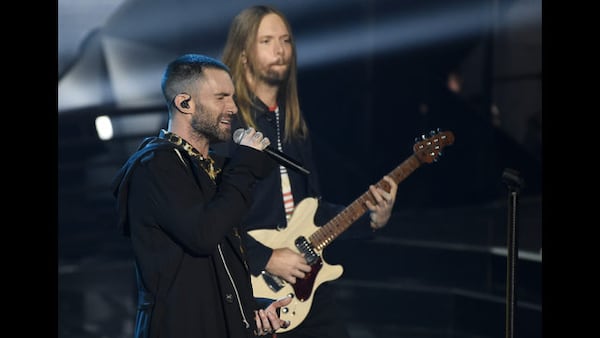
280, 62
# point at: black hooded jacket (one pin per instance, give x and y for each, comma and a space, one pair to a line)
192, 276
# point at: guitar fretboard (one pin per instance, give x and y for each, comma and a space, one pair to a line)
342, 221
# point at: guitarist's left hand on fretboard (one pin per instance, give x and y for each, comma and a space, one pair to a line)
384, 198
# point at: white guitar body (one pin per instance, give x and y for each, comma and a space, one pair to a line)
300, 225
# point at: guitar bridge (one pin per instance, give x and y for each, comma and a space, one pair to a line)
273, 282
306, 248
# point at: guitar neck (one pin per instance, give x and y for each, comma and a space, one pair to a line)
342, 221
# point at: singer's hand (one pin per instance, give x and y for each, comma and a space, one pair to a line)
254, 139
240, 136
267, 320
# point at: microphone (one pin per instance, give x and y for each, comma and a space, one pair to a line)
277, 155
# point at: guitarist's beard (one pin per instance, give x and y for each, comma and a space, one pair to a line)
269, 75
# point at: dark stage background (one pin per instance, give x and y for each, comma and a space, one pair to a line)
372, 77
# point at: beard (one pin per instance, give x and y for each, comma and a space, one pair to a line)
270, 76
204, 125
274, 78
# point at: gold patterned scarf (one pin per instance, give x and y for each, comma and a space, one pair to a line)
206, 163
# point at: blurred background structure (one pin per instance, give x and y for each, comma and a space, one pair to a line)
373, 76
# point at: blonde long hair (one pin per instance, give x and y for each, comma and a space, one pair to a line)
241, 37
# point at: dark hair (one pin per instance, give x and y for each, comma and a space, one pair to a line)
181, 74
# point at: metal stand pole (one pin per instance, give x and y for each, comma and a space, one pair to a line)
513, 181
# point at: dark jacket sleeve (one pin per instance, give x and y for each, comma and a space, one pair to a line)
260, 254
194, 217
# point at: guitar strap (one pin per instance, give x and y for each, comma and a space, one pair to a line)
286, 187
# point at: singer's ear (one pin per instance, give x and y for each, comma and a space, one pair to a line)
182, 103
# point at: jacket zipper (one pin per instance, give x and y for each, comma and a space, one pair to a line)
234, 287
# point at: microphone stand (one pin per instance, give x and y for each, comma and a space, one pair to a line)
514, 182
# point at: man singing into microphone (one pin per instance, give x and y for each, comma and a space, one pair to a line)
181, 207
261, 54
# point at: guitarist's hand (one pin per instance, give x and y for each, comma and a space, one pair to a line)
381, 212
287, 264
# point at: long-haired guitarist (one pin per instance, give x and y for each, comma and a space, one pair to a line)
261, 53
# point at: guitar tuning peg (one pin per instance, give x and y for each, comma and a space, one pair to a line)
432, 133
416, 139
423, 137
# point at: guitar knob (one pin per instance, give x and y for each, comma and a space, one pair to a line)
291, 295
285, 310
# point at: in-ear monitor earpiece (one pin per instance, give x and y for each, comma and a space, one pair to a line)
185, 103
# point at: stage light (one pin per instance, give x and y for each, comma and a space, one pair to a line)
104, 127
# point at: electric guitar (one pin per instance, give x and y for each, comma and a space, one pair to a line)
302, 236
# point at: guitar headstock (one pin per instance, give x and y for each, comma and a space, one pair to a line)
428, 149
